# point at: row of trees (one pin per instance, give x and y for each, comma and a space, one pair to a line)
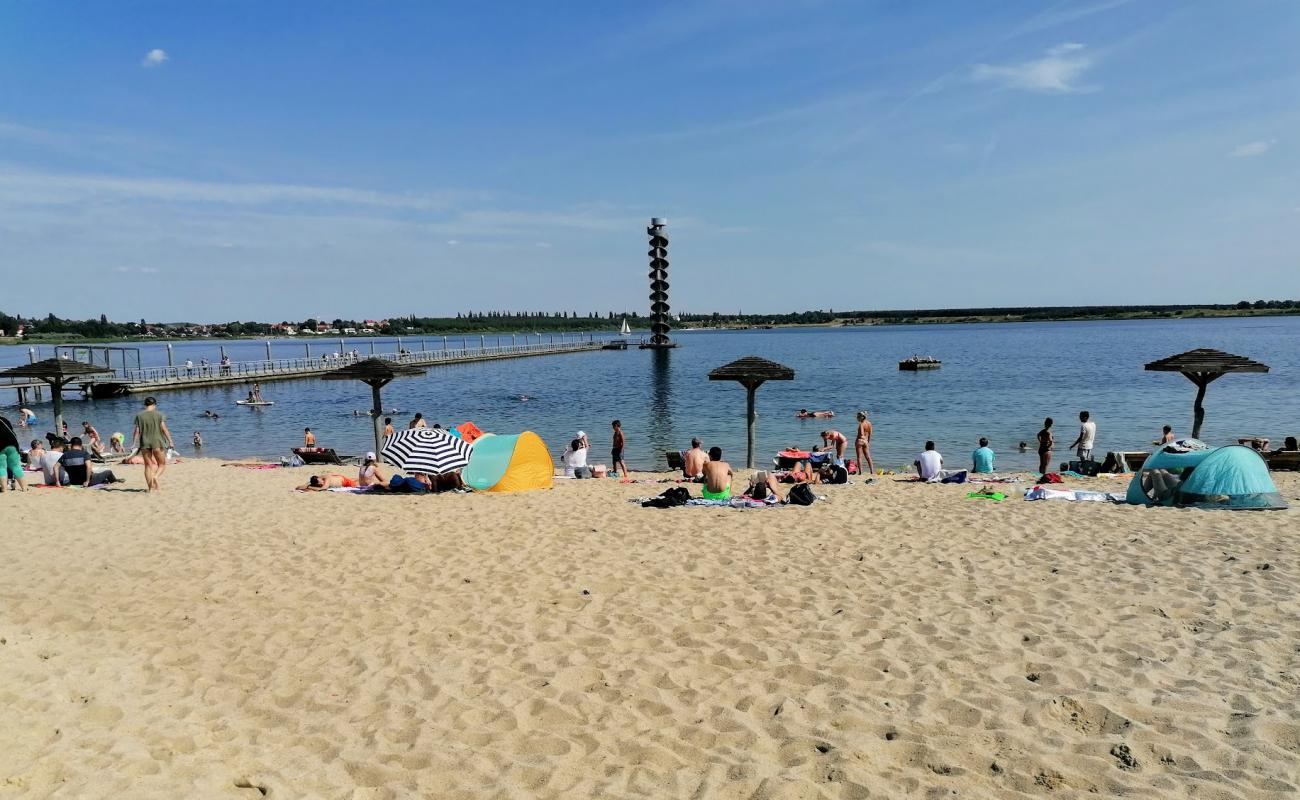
509, 321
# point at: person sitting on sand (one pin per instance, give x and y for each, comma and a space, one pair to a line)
717, 476
369, 474
76, 466
328, 480
830, 437
831, 473
982, 458
35, 454
51, 464
930, 464
575, 460
694, 460
117, 443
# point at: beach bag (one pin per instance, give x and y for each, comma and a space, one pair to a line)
801, 494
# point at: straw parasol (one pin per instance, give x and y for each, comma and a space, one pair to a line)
377, 373
57, 372
751, 372
1202, 367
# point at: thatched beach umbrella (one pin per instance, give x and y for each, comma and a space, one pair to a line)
1201, 367
377, 373
57, 372
751, 372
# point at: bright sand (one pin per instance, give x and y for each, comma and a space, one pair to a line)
232, 639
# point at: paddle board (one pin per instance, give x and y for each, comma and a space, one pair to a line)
254, 403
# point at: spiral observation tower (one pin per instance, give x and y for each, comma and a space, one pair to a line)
659, 325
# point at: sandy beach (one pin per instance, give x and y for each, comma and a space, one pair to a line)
229, 638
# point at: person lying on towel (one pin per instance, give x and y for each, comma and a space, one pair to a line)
329, 480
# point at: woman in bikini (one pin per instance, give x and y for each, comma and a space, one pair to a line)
1045, 444
862, 445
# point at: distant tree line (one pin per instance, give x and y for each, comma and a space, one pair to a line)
556, 321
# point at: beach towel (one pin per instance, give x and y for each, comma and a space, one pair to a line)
1043, 493
986, 495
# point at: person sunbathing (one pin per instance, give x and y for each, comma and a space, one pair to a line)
763, 485
694, 460
717, 477
328, 480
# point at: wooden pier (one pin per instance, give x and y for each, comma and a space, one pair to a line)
160, 379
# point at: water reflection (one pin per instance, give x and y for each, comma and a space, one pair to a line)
659, 426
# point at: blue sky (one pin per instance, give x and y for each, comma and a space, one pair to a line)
212, 161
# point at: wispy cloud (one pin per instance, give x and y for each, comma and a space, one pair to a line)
50, 188
1059, 71
154, 58
1250, 149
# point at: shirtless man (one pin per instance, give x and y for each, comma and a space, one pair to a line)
694, 460
329, 480
717, 476
862, 446
839, 440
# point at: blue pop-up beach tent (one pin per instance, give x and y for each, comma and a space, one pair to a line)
1233, 477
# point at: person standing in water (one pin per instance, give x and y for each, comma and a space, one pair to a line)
862, 445
154, 440
616, 452
1045, 443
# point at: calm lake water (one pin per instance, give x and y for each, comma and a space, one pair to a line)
997, 380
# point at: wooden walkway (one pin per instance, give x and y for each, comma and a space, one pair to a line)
161, 379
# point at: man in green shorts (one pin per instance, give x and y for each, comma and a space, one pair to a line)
154, 440
717, 476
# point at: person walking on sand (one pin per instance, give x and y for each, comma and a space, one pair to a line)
839, 440
1046, 441
1087, 435
153, 440
862, 445
308, 438
11, 462
616, 452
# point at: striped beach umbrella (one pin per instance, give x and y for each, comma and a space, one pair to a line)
431, 451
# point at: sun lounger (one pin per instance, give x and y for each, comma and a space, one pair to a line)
1123, 461
317, 455
1283, 459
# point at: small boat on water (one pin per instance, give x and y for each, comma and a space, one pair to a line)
918, 363
625, 330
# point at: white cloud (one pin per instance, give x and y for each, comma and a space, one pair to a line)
1059, 71
64, 188
154, 58
1257, 148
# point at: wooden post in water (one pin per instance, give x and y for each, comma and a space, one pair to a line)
170, 362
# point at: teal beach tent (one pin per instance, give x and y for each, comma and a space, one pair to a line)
1233, 477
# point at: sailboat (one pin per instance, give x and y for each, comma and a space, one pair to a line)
625, 330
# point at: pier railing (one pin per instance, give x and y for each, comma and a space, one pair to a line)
286, 367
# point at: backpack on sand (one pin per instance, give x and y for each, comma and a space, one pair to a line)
801, 494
